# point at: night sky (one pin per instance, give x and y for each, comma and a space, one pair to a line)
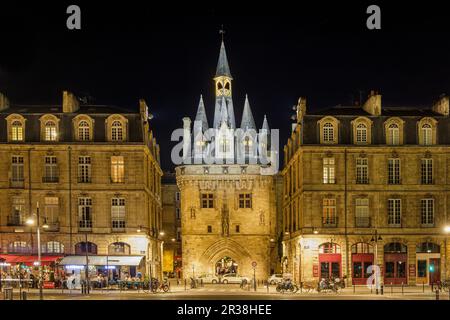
168, 56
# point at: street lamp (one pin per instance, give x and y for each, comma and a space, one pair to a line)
375, 239
30, 221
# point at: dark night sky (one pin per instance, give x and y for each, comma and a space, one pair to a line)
168, 56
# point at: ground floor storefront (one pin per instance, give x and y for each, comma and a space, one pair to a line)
401, 260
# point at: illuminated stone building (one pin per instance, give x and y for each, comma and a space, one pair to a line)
95, 173
228, 207
365, 184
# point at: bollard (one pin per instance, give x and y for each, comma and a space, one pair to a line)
437, 294
392, 288
402, 288
382, 289
24, 295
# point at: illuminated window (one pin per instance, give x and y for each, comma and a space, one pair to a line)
19, 247
50, 131
329, 217
118, 248
361, 133
51, 209
52, 247
328, 132
84, 131
328, 170
117, 131
17, 131
117, 169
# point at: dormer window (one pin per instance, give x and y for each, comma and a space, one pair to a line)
117, 131
84, 131
426, 134
116, 128
427, 128
361, 133
50, 131
393, 134
394, 131
328, 132
16, 131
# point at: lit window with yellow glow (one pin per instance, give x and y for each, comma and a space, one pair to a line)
50, 131
117, 169
17, 131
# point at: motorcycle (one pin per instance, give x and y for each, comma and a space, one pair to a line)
328, 285
340, 283
286, 285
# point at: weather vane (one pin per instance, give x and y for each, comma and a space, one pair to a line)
222, 31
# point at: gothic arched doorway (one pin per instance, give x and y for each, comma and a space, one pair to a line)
226, 265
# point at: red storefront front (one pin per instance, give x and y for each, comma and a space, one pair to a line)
330, 260
395, 263
362, 258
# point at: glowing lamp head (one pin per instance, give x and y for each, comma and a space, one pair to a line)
447, 229
162, 233
29, 221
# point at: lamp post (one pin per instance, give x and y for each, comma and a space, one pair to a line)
446, 232
375, 239
30, 221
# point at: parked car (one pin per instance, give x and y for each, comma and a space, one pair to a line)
233, 278
275, 278
208, 278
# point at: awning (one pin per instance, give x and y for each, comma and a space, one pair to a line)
102, 260
28, 260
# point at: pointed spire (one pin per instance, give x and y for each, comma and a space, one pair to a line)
265, 124
247, 117
201, 115
223, 69
223, 112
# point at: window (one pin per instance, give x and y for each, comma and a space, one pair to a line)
207, 200
118, 248
362, 247
178, 213
421, 268
328, 170
82, 248
428, 247
50, 169
394, 212
19, 247
16, 131
17, 169
394, 171
17, 217
395, 247
209, 229
50, 133
362, 171
117, 131
427, 212
84, 131
117, 169
361, 133
329, 247
427, 134
177, 196
427, 171
53, 247
238, 228
329, 217
328, 132
248, 143
118, 214
178, 234
84, 169
362, 218
85, 213
51, 209
225, 145
245, 200
393, 134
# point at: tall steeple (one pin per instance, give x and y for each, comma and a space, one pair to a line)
223, 88
201, 121
265, 125
247, 117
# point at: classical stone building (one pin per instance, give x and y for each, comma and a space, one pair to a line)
94, 173
228, 201
368, 185
171, 224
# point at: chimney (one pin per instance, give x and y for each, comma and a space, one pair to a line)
373, 103
442, 106
4, 102
70, 102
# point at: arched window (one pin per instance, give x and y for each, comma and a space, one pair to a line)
362, 247
428, 247
17, 131
248, 144
427, 134
329, 247
361, 133
395, 247
83, 247
328, 132
18, 247
117, 131
84, 131
393, 134
52, 247
118, 248
50, 131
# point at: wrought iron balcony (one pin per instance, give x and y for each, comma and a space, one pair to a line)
15, 221
17, 183
330, 222
362, 222
50, 179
